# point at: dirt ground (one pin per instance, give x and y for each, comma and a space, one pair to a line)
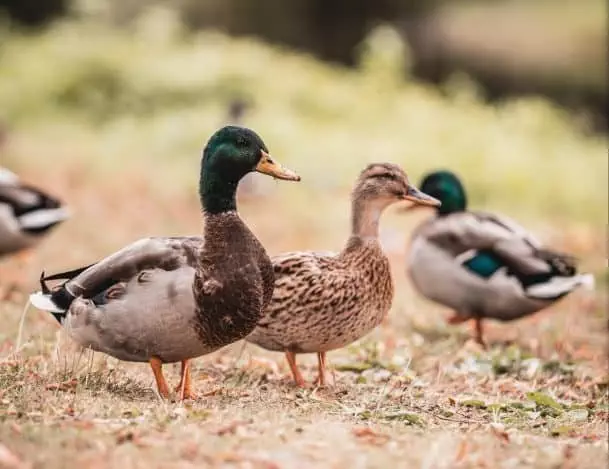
414, 393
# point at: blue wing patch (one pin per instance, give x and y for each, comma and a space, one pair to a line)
483, 264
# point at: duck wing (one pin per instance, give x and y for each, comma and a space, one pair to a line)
485, 243
91, 282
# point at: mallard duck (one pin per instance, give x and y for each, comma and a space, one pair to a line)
323, 300
164, 300
484, 265
26, 214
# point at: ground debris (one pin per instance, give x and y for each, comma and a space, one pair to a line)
232, 427
370, 436
67, 386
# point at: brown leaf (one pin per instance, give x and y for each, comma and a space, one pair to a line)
125, 436
83, 424
498, 430
370, 436
69, 385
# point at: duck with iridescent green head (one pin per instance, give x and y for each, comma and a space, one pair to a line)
163, 300
483, 265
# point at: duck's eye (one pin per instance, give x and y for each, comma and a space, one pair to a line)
241, 142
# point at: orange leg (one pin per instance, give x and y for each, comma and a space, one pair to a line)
157, 369
321, 368
457, 319
479, 332
291, 358
184, 387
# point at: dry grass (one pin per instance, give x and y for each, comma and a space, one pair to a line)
415, 393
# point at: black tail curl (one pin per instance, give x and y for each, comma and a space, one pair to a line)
60, 294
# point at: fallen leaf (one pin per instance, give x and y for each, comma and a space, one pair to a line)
498, 430
411, 418
369, 436
544, 400
563, 430
69, 385
125, 436
83, 424
354, 367
473, 403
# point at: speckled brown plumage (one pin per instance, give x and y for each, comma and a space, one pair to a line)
324, 301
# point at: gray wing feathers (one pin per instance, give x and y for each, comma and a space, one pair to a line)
145, 254
477, 231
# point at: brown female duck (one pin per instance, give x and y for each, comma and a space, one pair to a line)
324, 301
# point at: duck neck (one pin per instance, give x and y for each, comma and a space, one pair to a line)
218, 195
365, 217
223, 230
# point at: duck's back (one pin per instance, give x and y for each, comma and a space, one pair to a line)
437, 265
324, 301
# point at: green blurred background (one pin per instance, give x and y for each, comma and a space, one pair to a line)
552, 47
108, 104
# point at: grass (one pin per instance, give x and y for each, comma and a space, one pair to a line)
114, 126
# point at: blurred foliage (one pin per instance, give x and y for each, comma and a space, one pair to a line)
151, 92
556, 48
33, 12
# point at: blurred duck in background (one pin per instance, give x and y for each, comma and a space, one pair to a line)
483, 265
323, 300
26, 215
164, 300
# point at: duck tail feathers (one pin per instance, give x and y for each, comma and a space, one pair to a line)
44, 302
42, 219
557, 287
56, 301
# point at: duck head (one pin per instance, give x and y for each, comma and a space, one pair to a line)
387, 183
448, 189
378, 186
230, 154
